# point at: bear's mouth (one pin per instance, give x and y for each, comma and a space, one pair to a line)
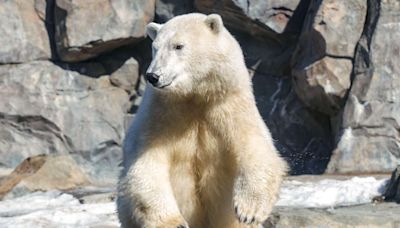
166, 84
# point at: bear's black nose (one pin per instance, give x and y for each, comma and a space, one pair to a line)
152, 78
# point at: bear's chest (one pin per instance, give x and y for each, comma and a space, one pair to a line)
201, 141
203, 149
202, 164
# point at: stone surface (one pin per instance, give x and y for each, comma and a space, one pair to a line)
27, 168
322, 62
23, 32
86, 28
369, 215
43, 173
369, 139
127, 76
255, 16
122, 67
54, 109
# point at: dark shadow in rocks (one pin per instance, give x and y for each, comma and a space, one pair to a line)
302, 137
392, 191
109, 62
363, 66
167, 9
295, 24
89, 68
50, 27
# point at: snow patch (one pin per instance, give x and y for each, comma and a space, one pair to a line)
330, 193
55, 209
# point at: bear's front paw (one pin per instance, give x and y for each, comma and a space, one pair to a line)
252, 204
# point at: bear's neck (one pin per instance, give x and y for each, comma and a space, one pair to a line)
196, 101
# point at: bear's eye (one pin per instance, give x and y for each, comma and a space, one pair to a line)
178, 46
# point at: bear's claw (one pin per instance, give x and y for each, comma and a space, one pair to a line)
247, 219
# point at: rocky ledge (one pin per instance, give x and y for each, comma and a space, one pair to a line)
368, 215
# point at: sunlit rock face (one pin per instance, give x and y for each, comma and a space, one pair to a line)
24, 36
369, 139
85, 29
325, 76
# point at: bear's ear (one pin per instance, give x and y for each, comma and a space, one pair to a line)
214, 22
152, 30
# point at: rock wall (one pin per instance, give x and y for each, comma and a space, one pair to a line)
325, 74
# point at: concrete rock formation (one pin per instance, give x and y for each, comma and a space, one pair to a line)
325, 74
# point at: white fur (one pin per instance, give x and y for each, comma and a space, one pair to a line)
198, 147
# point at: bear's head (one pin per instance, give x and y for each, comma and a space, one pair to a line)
194, 54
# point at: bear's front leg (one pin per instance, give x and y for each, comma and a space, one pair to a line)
257, 185
145, 196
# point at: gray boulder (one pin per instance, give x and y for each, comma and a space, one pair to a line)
54, 109
43, 173
368, 215
369, 139
23, 32
84, 29
322, 61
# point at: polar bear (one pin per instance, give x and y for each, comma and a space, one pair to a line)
198, 153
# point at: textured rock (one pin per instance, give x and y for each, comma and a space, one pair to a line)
255, 16
54, 110
23, 32
369, 215
27, 168
322, 62
42, 173
127, 76
369, 136
323, 85
86, 28
122, 67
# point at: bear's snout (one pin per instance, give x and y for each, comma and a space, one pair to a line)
152, 78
